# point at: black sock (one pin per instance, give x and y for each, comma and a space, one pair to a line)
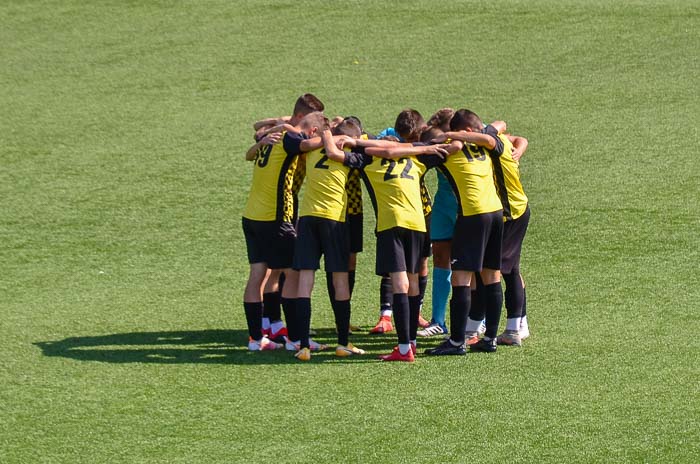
414, 310
422, 283
282, 279
271, 306
290, 316
401, 316
524, 313
303, 310
341, 310
385, 292
351, 281
253, 316
493, 301
514, 296
476, 309
459, 311
330, 287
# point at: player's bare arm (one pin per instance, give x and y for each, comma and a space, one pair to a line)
500, 126
270, 139
268, 122
280, 128
407, 149
519, 146
332, 151
476, 138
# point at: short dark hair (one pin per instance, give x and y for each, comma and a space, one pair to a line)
430, 133
465, 119
356, 120
409, 124
307, 103
441, 118
347, 127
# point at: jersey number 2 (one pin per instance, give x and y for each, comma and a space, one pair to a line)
321, 163
388, 175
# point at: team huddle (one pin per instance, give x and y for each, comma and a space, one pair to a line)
474, 228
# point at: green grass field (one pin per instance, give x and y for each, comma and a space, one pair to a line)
122, 131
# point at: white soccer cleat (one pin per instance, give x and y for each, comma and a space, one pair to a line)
264, 344
290, 345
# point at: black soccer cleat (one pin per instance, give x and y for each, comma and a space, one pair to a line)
446, 348
487, 346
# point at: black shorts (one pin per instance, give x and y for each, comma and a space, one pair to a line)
399, 249
355, 226
513, 236
320, 236
476, 243
427, 250
269, 242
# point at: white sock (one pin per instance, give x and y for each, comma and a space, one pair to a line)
513, 324
523, 323
472, 325
277, 326
386, 312
453, 343
413, 342
404, 348
266, 323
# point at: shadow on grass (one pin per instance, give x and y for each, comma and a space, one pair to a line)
201, 347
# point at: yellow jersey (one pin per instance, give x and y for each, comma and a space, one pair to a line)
470, 173
271, 197
325, 194
394, 187
506, 175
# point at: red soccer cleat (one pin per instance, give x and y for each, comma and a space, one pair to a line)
396, 355
383, 326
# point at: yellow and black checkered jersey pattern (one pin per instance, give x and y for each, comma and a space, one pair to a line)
470, 173
325, 194
270, 197
425, 198
394, 188
354, 192
299, 175
297, 183
506, 175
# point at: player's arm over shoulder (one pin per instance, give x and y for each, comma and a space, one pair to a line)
355, 159
519, 146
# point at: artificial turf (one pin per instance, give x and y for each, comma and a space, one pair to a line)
122, 132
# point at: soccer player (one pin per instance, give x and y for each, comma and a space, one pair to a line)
272, 324
476, 244
268, 224
516, 214
351, 126
393, 182
322, 231
408, 127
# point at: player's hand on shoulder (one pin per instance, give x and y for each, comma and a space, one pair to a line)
272, 138
344, 141
516, 153
437, 150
